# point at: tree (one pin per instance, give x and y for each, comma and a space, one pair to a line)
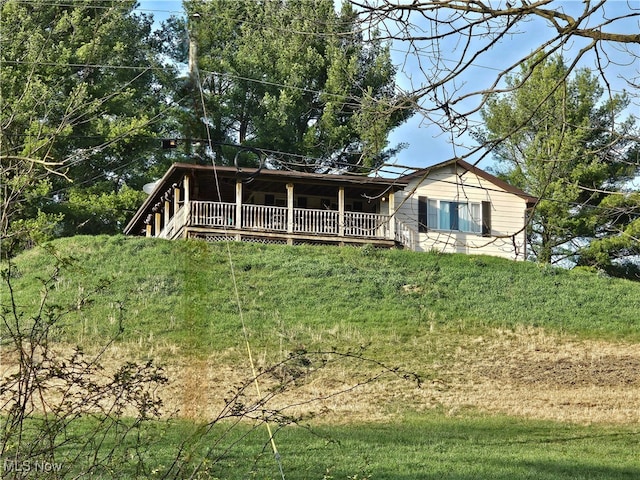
617, 240
80, 99
293, 77
463, 50
557, 139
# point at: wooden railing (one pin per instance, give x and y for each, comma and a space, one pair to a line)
261, 217
366, 225
213, 214
175, 224
405, 235
322, 222
274, 219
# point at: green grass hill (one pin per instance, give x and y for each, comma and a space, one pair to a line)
527, 371
189, 293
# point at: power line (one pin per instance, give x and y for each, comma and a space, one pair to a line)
195, 74
213, 73
286, 29
233, 76
88, 65
208, 72
280, 157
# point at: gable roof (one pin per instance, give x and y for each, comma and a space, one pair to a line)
468, 167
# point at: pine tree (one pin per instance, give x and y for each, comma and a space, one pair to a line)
555, 136
290, 76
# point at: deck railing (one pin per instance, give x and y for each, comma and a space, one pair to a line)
405, 235
275, 219
322, 222
358, 224
213, 214
262, 217
175, 224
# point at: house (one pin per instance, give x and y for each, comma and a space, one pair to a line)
457, 207
451, 207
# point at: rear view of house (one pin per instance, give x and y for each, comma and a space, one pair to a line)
450, 207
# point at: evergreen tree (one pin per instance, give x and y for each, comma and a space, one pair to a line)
555, 136
289, 76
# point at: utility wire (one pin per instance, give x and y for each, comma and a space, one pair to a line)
237, 77
348, 99
195, 74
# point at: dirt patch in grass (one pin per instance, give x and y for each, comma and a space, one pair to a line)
523, 373
530, 373
607, 371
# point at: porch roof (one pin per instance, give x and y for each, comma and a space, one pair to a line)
214, 181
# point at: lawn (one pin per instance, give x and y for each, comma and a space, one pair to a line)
183, 293
526, 371
434, 446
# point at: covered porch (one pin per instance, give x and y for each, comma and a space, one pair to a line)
270, 206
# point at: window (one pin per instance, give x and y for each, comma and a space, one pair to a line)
454, 216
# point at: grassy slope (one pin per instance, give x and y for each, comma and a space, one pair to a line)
181, 294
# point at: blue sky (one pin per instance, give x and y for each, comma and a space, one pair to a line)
427, 145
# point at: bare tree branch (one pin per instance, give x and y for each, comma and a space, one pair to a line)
431, 32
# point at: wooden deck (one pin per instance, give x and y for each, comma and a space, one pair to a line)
272, 224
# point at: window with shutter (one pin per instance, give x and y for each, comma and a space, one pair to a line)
451, 216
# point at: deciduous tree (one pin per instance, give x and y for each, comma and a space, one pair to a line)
458, 52
80, 98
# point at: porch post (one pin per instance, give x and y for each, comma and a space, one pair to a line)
176, 199
289, 207
149, 230
187, 212
167, 211
238, 204
341, 212
158, 223
185, 183
392, 218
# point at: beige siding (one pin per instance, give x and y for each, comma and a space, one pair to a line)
508, 212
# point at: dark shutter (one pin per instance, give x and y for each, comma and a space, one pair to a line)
486, 219
422, 214
454, 224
